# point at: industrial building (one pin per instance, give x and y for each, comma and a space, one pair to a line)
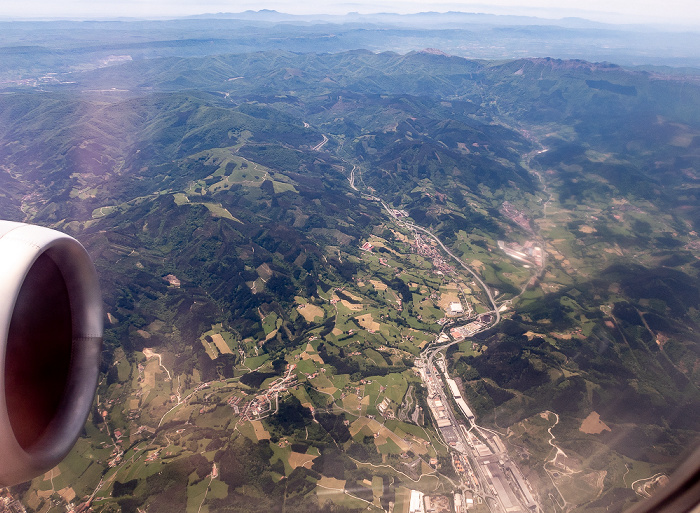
455, 308
416, 503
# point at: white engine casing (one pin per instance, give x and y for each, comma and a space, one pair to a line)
50, 347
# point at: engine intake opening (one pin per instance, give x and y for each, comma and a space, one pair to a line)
38, 354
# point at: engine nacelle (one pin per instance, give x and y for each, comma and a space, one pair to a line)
50, 346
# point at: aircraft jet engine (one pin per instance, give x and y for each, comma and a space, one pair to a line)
50, 345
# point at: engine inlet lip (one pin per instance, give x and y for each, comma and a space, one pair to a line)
20, 247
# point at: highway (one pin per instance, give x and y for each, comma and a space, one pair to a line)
321, 144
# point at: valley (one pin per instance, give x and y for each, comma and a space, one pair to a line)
350, 291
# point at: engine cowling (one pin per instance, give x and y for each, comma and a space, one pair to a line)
50, 346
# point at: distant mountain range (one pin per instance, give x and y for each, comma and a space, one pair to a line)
34, 47
428, 19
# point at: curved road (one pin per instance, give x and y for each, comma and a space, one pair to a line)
483, 285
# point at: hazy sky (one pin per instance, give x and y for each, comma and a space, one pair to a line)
686, 12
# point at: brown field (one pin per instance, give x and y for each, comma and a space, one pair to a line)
297, 459
260, 431
211, 352
592, 425
586, 229
351, 403
67, 493
53, 473
314, 357
331, 482
448, 294
336, 332
310, 312
351, 306
477, 265
149, 374
311, 354
378, 285
221, 344
367, 322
